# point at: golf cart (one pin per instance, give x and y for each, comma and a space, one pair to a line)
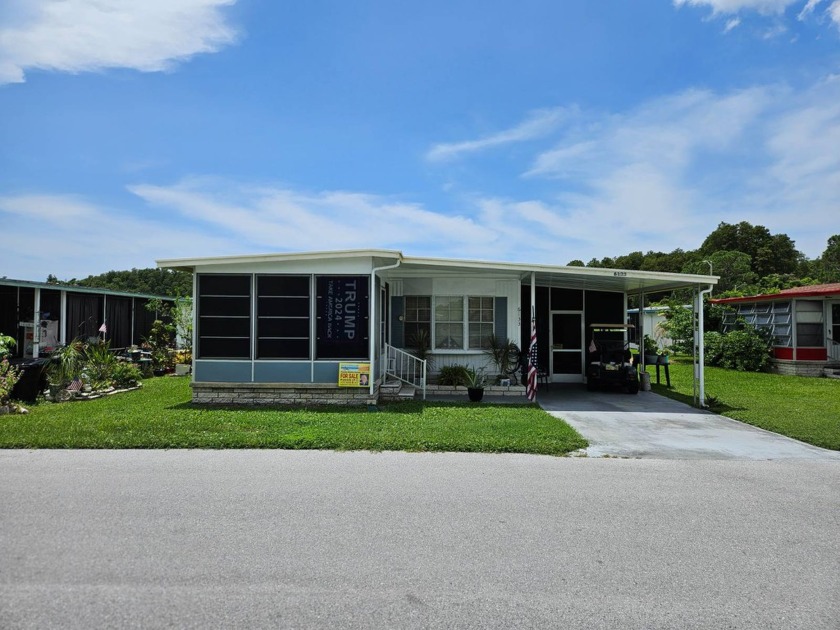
609, 361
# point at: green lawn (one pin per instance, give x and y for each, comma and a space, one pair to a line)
807, 409
161, 416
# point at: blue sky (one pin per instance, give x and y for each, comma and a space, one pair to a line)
533, 131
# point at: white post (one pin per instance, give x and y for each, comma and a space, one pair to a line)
700, 346
36, 328
373, 330
63, 318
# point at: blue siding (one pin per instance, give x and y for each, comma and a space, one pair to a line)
286, 372
501, 318
326, 373
222, 371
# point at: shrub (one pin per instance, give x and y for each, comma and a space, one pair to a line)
9, 376
66, 364
125, 374
99, 363
745, 349
453, 375
6, 343
713, 345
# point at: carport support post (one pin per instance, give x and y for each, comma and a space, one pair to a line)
700, 346
640, 333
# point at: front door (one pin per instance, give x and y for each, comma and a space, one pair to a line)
566, 347
834, 330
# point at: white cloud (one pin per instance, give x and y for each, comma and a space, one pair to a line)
775, 8
733, 6
89, 35
72, 237
663, 175
282, 219
731, 24
834, 12
536, 125
808, 9
662, 134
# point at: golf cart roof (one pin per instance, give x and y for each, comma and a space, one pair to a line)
611, 326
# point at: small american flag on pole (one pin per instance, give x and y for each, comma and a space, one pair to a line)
531, 387
103, 328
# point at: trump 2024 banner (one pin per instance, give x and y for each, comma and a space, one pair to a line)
343, 326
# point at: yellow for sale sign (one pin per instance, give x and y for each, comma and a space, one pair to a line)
353, 374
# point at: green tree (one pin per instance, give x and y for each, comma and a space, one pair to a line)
769, 253
166, 282
828, 265
679, 326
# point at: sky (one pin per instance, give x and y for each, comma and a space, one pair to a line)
536, 131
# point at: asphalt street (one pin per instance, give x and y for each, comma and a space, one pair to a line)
199, 539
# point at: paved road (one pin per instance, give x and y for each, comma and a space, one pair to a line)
197, 539
651, 426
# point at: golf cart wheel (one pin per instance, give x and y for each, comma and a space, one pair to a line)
591, 385
633, 388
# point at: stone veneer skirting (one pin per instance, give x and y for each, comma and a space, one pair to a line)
798, 368
303, 394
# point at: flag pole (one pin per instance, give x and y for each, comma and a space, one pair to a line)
533, 359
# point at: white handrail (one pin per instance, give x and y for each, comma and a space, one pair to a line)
405, 367
833, 348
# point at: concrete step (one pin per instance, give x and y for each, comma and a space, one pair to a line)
407, 392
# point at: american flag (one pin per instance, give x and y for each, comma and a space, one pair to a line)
531, 387
75, 385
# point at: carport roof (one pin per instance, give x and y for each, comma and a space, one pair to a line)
592, 278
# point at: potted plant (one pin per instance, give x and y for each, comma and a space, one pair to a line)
159, 342
651, 351
475, 381
65, 366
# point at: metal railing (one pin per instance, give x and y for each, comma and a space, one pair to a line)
405, 367
833, 349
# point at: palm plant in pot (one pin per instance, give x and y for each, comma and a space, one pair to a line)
475, 382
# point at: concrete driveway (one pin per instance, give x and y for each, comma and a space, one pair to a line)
651, 426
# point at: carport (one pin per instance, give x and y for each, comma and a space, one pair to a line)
544, 288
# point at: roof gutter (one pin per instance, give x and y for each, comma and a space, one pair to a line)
372, 319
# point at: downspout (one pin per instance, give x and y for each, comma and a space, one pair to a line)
374, 291
700, 345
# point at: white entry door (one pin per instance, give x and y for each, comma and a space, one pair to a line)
833, 330
567, 352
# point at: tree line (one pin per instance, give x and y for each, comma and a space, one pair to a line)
153, 281
748, 259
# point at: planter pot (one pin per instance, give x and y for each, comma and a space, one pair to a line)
182, 369
650, 359
475, 393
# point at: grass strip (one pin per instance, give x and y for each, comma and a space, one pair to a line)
160, 416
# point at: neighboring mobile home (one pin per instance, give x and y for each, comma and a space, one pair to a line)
42, 316
295, 327
804, 323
